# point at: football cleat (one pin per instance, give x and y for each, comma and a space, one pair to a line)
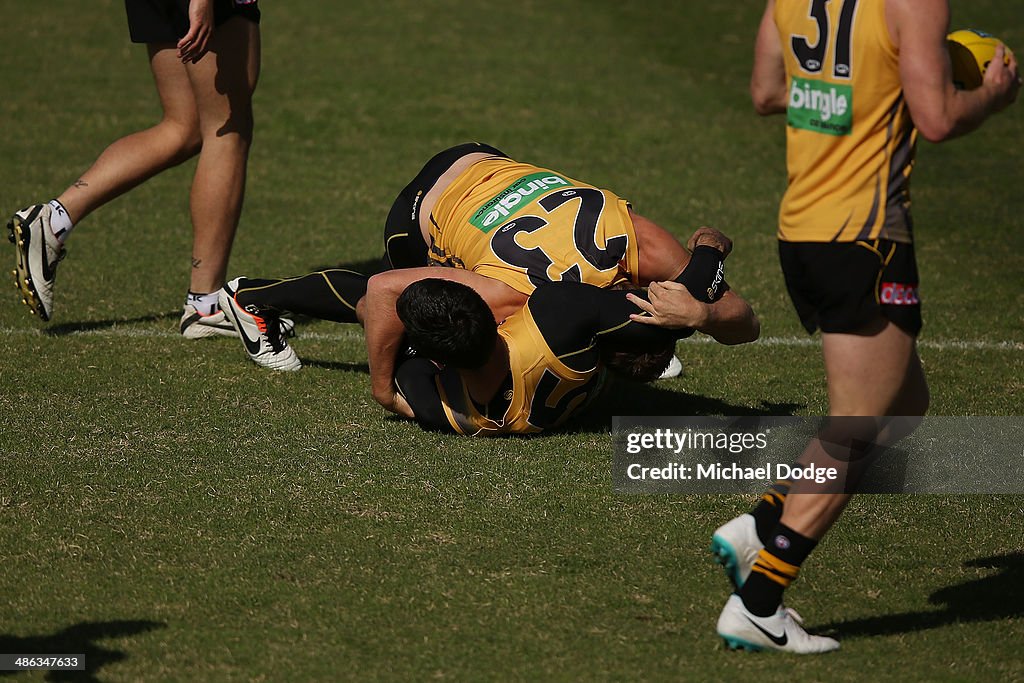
261, 332
674, 369
782, 632
735, 546
39, 252
195, 325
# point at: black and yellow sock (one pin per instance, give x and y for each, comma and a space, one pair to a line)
325, 294
776, 567
768, 510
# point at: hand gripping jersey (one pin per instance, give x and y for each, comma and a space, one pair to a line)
525, 225
850, 140
544, 392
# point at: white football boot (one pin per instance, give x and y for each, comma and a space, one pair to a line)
782, 632
39, 252
195, 325
261, 333
735, 546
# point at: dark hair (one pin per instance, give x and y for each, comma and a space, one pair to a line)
447, 322
640, 364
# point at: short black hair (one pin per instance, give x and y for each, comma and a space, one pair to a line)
447, 322
639, 364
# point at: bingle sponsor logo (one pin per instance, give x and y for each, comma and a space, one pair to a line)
513, 198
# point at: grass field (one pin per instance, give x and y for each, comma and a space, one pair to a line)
176, 513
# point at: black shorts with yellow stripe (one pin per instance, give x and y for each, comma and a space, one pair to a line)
844, 286
403, 240
166, 21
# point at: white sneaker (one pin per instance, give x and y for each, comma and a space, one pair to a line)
735, 546
674, 369
39, 252
261, 333
743, 630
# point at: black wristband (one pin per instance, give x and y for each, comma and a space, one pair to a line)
704, 275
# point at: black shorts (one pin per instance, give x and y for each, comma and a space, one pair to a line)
403, 240
843, 286
166, 21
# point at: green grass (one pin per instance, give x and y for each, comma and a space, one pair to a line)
178, 514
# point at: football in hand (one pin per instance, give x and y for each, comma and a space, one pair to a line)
971, 51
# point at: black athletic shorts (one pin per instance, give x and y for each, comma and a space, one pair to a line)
403, 240
843, 286
166, 21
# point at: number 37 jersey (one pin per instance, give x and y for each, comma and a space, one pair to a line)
525, 225
849, 136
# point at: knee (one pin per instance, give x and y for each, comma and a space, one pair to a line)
183, 136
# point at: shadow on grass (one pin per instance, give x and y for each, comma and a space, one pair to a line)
335, 365
994, 597
626, 398
78, 639
65, 329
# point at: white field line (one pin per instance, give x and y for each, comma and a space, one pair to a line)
130, 332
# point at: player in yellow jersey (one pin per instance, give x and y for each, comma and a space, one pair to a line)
474, 209
858, 81
535, 370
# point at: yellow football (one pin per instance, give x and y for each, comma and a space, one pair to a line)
971, 51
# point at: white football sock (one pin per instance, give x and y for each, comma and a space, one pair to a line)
60, 221
205, 304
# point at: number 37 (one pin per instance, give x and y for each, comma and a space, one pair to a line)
811, 57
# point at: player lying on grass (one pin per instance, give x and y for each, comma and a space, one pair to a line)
474, 208
470, 374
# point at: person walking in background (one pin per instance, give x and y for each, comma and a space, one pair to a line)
205, 60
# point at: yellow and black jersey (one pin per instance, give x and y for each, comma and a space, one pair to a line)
526, 225
554, 363
850, 139
543, 391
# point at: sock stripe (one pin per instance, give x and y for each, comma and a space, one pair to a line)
779, 571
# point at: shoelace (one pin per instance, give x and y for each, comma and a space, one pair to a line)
272, 330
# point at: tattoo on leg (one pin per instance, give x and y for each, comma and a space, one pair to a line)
196, 262
80, 183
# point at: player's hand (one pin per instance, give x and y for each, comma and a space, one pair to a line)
670, 305
710, 237
193, 45
1002, 79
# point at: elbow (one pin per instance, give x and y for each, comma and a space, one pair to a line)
935, 132
767, 102
750, 333
934, 127
754, 330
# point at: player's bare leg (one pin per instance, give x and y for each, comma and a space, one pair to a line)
222, 83
39, 231
135, 158
874, 373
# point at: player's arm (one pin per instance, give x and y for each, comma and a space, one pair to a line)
730, 320
939, 110
416, 380
768, 79
384, 330
573, 317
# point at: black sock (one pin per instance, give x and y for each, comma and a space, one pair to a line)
776, 567
327, 294
768, 510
